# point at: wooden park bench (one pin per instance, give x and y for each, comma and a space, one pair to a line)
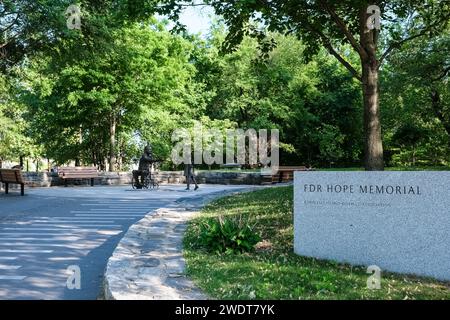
13, 176
286, 173
67, 173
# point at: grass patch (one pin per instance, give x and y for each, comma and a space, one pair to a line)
425, 168
273, 271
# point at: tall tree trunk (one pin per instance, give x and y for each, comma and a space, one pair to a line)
373, 148
121, 154
94, 159
373, 143
112, 143
80, 141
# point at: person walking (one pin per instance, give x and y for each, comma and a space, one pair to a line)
189, 174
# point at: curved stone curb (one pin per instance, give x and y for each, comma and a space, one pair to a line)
148, 263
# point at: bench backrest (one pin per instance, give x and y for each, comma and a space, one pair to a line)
11, 176
292, 168
77, 172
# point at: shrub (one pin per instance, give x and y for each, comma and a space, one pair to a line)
227, 235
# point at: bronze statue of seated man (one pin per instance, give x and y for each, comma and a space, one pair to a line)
144, 167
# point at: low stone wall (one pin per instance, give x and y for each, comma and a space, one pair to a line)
229, 178
49, 179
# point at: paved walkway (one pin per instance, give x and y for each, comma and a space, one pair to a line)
50, 229
148, 263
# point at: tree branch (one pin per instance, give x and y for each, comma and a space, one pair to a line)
399, 44
443, 75
343, 27
344, 62
326, 42
181, 5
8, 41
11, 25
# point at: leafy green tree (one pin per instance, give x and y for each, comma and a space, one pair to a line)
330, 144
285, 93
98, 94
410, 136
29, 27
14, 143
95, 107
331, 24
417, 93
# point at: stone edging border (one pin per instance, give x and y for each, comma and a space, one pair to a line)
148, 262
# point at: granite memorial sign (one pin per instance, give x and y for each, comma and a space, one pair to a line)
399, 221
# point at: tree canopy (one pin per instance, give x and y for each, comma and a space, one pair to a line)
311, 69
331, 24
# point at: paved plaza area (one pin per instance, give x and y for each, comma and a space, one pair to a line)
51, 229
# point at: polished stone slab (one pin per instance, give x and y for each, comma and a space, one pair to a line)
399, 221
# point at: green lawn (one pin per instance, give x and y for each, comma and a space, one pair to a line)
425, 168
231, 170
256, 170
274, 272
